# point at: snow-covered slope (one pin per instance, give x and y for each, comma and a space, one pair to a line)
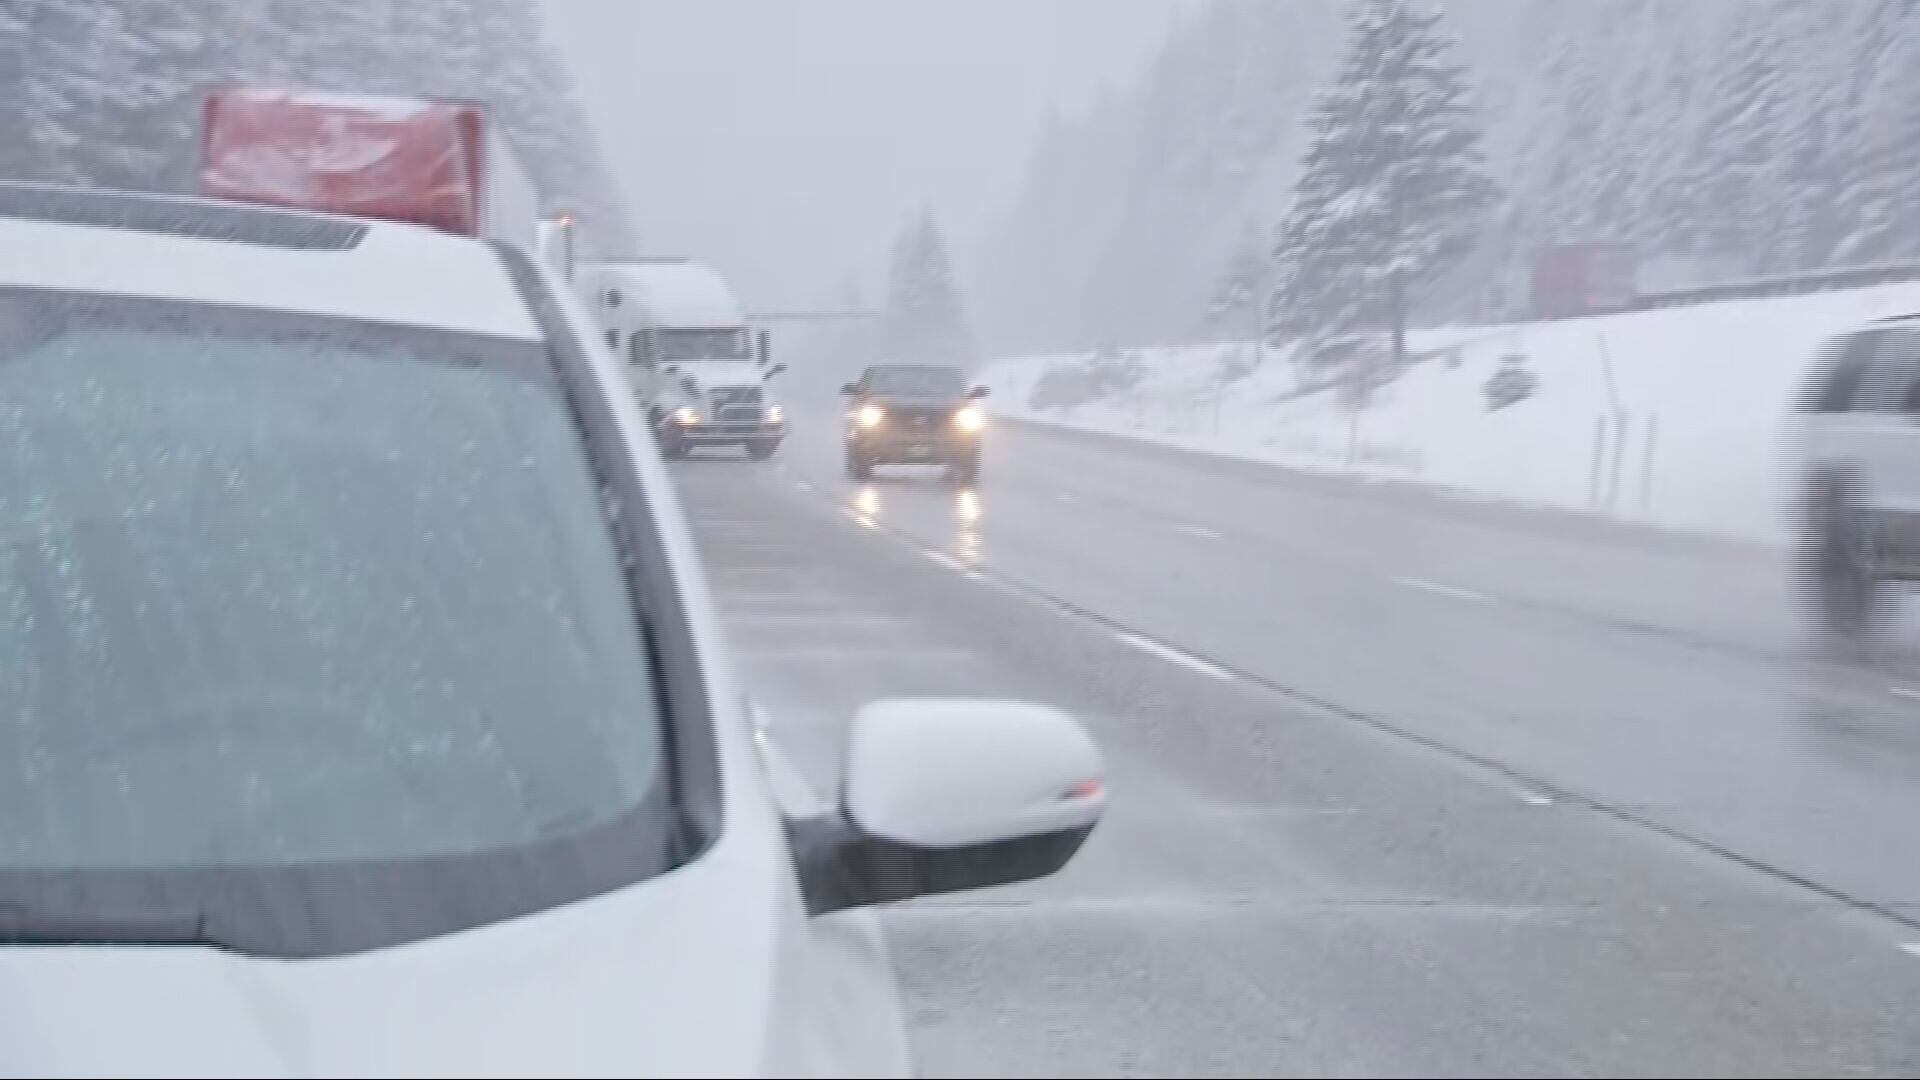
1712, 382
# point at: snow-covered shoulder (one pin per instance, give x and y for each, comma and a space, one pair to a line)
1676, 417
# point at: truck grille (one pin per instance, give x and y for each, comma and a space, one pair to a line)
737, 403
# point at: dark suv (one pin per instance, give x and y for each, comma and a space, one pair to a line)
911, 414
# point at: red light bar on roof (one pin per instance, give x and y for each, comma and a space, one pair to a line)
398, 159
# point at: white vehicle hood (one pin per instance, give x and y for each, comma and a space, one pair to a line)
708, 971
712, 373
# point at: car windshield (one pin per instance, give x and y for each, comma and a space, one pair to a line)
917, 381
728, 344
279, 593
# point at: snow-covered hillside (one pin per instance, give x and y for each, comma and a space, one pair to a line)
1711, 382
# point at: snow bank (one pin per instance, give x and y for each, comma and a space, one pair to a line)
1704, 391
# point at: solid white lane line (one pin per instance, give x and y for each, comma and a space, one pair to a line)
1173, 655
1200, 531
1441, 590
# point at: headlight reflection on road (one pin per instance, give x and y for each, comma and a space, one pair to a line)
966, 512
866, 506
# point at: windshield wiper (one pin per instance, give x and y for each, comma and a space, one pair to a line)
24, 926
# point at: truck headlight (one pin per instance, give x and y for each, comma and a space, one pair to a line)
871, 416
970, 419
685, 416
774, 415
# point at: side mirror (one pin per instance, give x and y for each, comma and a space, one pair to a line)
977, 392
949, 794
850, 388
775, 370
762, 346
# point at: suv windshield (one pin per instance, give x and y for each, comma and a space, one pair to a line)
728, 344
291, 603
917, 381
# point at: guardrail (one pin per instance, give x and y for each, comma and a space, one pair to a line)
1846, 277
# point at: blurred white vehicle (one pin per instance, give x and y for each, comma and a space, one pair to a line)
1859, 483
367, 713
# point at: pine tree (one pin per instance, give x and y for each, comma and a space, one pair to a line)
341, 45
1882, 195
172, 55
1739, 181
61, 86
1235, 309
924, 321
1392, 190
16, 51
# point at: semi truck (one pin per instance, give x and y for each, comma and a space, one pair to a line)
700, 370
431, 162
559, 245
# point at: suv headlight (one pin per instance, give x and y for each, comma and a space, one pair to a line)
970, 419
685, 416
774, 415
871, 416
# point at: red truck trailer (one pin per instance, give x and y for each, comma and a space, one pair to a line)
438, 163
1570, 280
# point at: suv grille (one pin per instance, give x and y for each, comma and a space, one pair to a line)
919, 419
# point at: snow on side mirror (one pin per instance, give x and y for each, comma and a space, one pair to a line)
944, 795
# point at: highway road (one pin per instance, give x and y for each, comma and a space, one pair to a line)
1403, 785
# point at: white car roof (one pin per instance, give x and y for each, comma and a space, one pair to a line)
208, 251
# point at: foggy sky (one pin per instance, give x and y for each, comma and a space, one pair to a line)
784, 140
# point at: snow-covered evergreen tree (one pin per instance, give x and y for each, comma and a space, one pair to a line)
106, 91
925, 321
1737, 178
1881, 197
1393, 189
1240, 291
16, 50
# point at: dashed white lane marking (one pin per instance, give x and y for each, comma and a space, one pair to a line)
946, 560
1534, 798
803, 485
1200, 531
1173, 655
1903, 692
1441, 590
1066, 497
1911, 948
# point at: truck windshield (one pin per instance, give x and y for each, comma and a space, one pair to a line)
725, 344
315, 629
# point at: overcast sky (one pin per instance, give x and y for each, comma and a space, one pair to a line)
784, 140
